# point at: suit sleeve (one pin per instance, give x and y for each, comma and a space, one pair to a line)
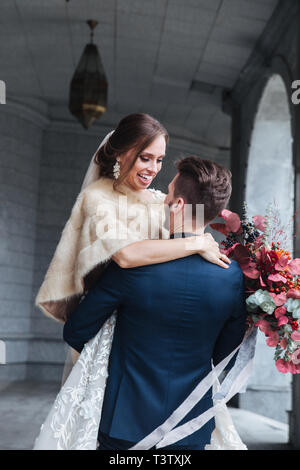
96, 307
234, 329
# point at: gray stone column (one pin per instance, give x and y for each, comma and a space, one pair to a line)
238, 165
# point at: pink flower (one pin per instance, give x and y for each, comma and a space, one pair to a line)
294, 266
282, 262
293, 294
295, 336
283, 320
279, 311
279, 299
250, 270
264, 326
296, 357
259, 222
282, 366
273, 339
232, 223
232, 220
291, 368
277, 278
262, 281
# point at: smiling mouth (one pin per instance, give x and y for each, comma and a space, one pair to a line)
147, 179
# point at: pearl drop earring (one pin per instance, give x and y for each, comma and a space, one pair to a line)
116, 169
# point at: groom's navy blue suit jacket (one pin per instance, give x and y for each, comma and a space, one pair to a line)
172, 319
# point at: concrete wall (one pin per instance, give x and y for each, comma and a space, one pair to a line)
21, 135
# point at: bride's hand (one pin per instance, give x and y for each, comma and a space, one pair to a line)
207, 247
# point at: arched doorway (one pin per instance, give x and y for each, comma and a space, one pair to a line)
270, 179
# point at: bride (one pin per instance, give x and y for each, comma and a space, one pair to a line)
115, 217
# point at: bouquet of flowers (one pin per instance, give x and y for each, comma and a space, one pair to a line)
272, 281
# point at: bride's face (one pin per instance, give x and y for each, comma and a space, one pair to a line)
147, 164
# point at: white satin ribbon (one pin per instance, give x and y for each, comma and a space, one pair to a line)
195, 424
239, 374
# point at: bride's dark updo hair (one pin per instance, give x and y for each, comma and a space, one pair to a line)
134, 132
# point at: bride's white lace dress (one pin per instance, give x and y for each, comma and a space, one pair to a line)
73, 420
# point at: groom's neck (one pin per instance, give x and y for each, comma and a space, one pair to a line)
187, 227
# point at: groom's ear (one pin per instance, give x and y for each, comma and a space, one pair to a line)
178, 204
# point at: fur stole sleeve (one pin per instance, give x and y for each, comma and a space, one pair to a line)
102, 222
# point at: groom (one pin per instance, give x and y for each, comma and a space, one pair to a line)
173, 319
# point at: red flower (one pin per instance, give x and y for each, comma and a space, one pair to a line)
280, 311
273, 339
220, 228
248, 266
294, 325
272, 271
264, 259
282, 366
283, 320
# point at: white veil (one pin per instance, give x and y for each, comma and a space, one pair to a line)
91, 175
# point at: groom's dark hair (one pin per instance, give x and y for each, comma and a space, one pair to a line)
203, 182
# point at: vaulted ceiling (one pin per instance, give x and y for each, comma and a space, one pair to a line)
170, 58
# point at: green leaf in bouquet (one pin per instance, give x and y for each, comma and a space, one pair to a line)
287, 328
261, 299
292, 304
296, 313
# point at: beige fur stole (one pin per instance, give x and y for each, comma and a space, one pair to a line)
102, 222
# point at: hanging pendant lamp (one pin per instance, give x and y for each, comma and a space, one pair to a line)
88, 90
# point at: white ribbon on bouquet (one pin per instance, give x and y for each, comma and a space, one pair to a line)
235, 382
